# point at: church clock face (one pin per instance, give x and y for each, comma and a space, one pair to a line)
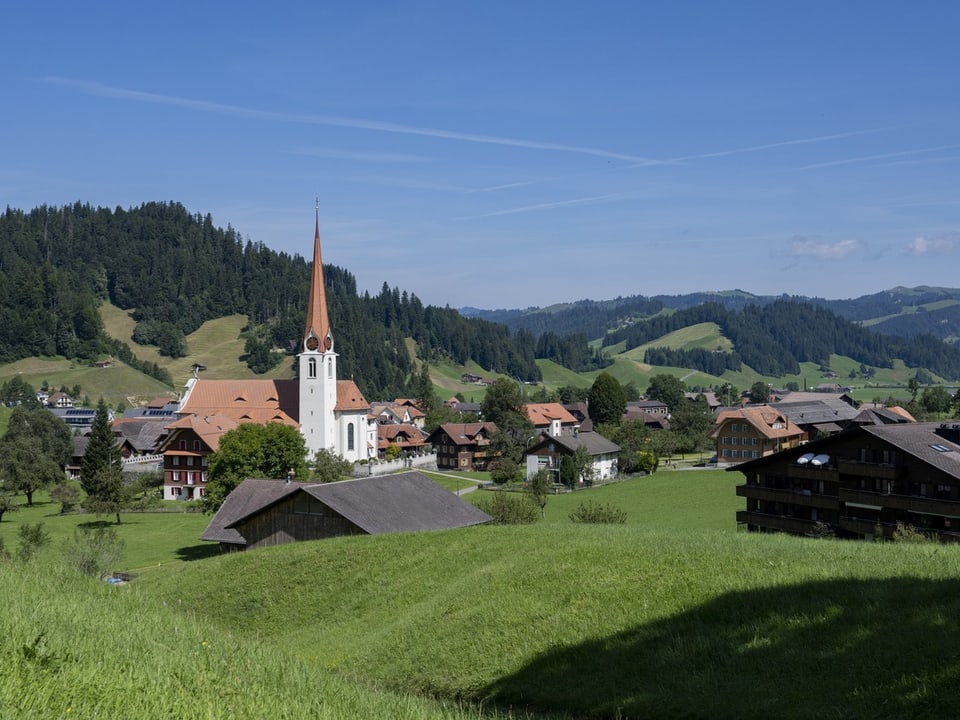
312, 343
327, 342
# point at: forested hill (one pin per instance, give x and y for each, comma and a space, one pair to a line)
901, 311
176, 270
774, 338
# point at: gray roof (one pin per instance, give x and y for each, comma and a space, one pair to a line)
405, 502
918, 440
879, 416
143, 434
816, 412
595, 443
250, 496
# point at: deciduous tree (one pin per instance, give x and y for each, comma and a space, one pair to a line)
667, 389
608, 402
251, 450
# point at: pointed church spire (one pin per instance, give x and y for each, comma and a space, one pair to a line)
317, 335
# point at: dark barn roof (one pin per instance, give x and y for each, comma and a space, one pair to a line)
405, 502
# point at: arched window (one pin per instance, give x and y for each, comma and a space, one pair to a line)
312, 365
349, 436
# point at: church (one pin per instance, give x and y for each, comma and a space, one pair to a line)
331, 414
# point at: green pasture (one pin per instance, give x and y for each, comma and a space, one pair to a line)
150, 538
673, 614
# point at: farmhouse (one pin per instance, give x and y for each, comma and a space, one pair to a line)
260, 513
859, 483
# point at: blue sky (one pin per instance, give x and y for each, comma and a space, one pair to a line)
510, 154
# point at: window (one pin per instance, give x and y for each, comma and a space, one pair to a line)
189, 461
176, 491
176, 460
330, 368
196, 444
349, 436
312, 367
176, 476
183, 444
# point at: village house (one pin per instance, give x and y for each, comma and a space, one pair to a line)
186, 449
463, 446
654, 407
405, 437
859, 483
752, 432
548, 452
551, 419
261, 513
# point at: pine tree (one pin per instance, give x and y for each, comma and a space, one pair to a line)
101, 475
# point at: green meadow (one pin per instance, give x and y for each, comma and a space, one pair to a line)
673, 614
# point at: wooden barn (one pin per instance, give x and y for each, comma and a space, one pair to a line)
260, 513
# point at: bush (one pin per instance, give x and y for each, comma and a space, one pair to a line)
510, 508
67, 495
94, 551
909, 534
599, 514
32, 539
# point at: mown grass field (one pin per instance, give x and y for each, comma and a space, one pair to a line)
674, 614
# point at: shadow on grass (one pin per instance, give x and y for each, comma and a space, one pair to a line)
198, 552
838, 649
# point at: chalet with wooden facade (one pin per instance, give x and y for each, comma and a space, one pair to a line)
752, 432
463, 446
261, 513
859, 483
406, 438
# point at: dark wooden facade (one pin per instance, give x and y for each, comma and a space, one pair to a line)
869, 480
463, 446
296, 518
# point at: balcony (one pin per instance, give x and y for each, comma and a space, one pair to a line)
797, 526
883, 471
910, 503
804, 498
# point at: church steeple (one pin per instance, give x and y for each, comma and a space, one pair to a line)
317, 335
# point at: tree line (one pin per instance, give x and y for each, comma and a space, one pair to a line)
174, 270
773, 339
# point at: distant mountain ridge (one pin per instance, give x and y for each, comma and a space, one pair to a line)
901, 311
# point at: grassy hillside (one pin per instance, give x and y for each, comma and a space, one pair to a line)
115, 384
674, 614
217, 344
604, 621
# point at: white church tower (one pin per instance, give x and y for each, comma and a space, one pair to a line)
317, 364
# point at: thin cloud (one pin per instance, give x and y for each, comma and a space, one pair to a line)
549, 206
101, 90
755, 148
337, 154
926, 246
883, 156
803, 247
